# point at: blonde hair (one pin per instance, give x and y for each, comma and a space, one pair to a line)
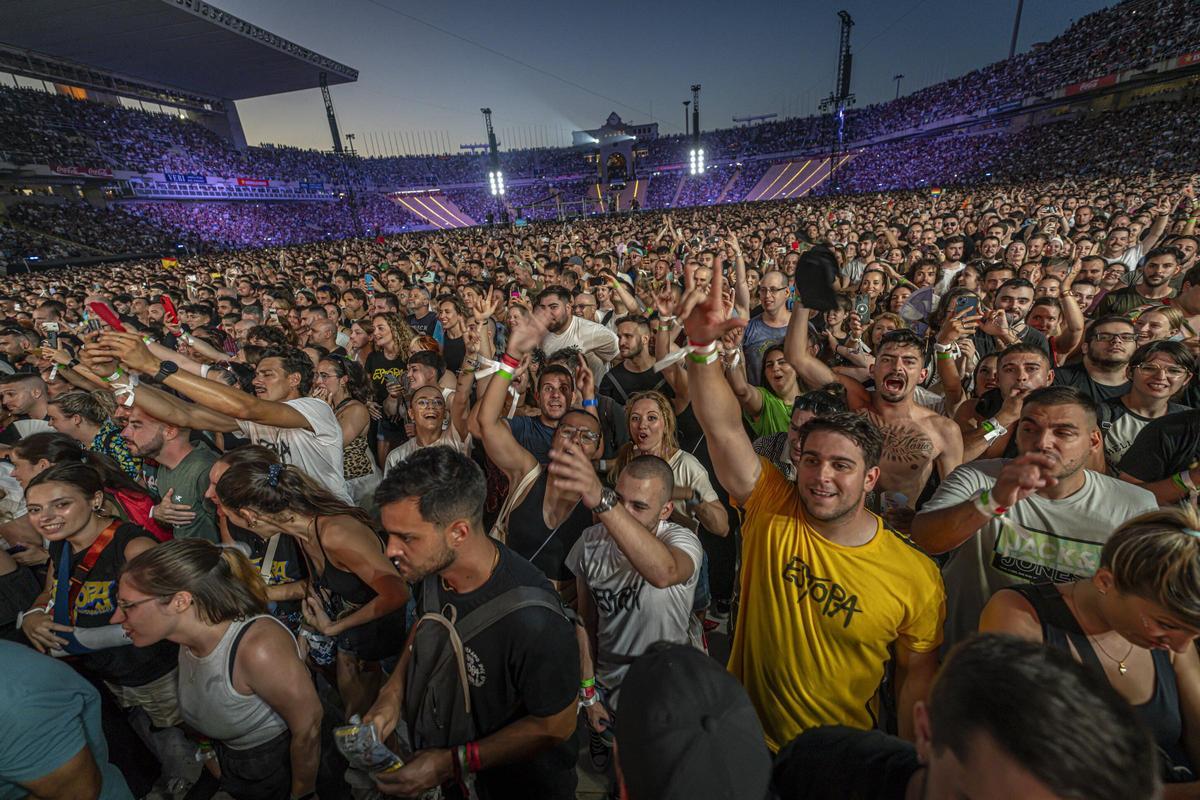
627, 452
1156, 557
95, 407
1174, 316
223, 583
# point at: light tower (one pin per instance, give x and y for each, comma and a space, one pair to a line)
837, 102
495, 176
696, 152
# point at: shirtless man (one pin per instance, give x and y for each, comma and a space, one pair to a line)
915, 437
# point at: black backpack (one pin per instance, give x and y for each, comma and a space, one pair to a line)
437, 693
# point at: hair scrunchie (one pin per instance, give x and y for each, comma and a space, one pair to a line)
273, 475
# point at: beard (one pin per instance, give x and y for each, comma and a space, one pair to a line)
1109, 363
634, 351
558, 325
441, 561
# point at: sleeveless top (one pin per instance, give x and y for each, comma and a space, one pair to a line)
356, 457
546, 547
341, 590
209, 702
1160, 714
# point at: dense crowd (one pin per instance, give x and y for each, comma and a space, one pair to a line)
923, 462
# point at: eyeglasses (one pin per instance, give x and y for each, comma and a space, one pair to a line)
572, 432
429, 402
1172, 372
1116, 337
772, 289
127, 606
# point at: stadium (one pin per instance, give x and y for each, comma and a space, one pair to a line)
850, 453
172, 176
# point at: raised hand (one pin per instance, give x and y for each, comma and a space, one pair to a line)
1023, 476
708, 319
528, 333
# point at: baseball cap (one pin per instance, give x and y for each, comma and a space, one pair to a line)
687, 730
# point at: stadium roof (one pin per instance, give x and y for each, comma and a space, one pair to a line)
188, 44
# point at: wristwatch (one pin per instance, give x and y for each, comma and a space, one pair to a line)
165, 370
608, 501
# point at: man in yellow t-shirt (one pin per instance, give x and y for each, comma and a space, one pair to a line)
828, 595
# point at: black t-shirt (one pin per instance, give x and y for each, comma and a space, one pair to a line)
1165, 447
453, 352
1076, 375
425, 325
985, 343
97, 602
526, 664
620, 383
379, 367
287, 563
839, 763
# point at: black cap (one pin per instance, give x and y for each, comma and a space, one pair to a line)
687, 730
815, 274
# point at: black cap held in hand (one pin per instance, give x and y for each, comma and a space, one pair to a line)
687, 730
815, 274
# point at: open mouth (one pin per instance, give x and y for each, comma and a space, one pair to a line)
822, 493
50, 528
894, 384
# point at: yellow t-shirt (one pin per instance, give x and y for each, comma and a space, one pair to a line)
816, 618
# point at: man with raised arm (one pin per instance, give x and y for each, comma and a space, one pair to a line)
828, 594
915, 438
280, 415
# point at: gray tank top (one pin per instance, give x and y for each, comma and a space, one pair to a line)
210, 704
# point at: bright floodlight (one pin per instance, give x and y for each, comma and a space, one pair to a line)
696, 161
496, 183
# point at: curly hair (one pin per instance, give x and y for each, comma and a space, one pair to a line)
402, 334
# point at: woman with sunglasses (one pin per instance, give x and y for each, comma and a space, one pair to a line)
1135, 622
356, 599
242, 679
342, 384
74, 612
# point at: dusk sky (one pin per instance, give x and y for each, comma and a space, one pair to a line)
638, 59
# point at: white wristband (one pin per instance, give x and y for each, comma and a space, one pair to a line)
204, 368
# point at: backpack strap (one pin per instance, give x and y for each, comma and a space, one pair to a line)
498, 608
429, 593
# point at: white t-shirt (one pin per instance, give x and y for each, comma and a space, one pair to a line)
632, 614
449, 438
598, 344
318, 452
688, 471
1051, 540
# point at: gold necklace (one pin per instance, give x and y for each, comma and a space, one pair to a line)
1121, 668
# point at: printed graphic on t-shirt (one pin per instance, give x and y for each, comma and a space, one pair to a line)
1035, 555
476, 674
95, 598
611, 602
832, 598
